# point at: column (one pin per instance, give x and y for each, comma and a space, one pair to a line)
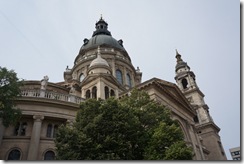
35, 137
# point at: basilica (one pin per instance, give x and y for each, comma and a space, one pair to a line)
103, 68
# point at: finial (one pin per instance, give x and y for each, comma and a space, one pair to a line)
101, 17
176, 52
178, 56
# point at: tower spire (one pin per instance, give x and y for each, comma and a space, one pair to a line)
178, 56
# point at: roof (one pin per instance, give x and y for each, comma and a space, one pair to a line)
101, 36
102, 39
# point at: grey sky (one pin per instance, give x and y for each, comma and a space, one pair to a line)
42, 37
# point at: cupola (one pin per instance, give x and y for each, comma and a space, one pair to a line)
101, 28
99, 65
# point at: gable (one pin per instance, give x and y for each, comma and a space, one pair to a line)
169, 91
107, 78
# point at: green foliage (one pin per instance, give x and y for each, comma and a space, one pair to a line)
9, 91
178, 151
133, 127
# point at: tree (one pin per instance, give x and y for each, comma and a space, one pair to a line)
133, 127
9, 91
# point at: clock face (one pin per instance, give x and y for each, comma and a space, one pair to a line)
82, 77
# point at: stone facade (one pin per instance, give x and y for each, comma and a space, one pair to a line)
103, 69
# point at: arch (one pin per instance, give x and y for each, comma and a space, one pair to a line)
14, 154
119, 76
88, 94
49, 155
184, 83
94, 92
183, 129
106, 91
128, 79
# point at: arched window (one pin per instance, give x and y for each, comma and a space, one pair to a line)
49, 130
81, 77
106, 90
112, 93
128, 79
184, 83
88, 94
49, 155
14, 155
94, 92
119, 76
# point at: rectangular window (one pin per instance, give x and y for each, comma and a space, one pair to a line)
20, 129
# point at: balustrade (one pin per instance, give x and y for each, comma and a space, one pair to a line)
51, 95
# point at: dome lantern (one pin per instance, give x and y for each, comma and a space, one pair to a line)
101, 28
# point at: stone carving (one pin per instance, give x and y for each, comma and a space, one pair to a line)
137, 69
74, 76
44, 82
72, 89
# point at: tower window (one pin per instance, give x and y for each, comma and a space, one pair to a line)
106, 92
88, 94
184, 83
94, 92
119, 76
195, 118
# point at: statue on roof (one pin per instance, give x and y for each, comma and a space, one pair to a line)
44, 82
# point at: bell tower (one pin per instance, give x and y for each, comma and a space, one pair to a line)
206, 129
186, 81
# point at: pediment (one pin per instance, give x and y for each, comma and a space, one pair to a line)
167, 89
104, 77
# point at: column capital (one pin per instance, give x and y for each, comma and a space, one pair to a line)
38, 117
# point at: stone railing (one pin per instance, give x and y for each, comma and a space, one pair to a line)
51, 95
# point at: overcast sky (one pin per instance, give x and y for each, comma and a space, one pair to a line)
42, 37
